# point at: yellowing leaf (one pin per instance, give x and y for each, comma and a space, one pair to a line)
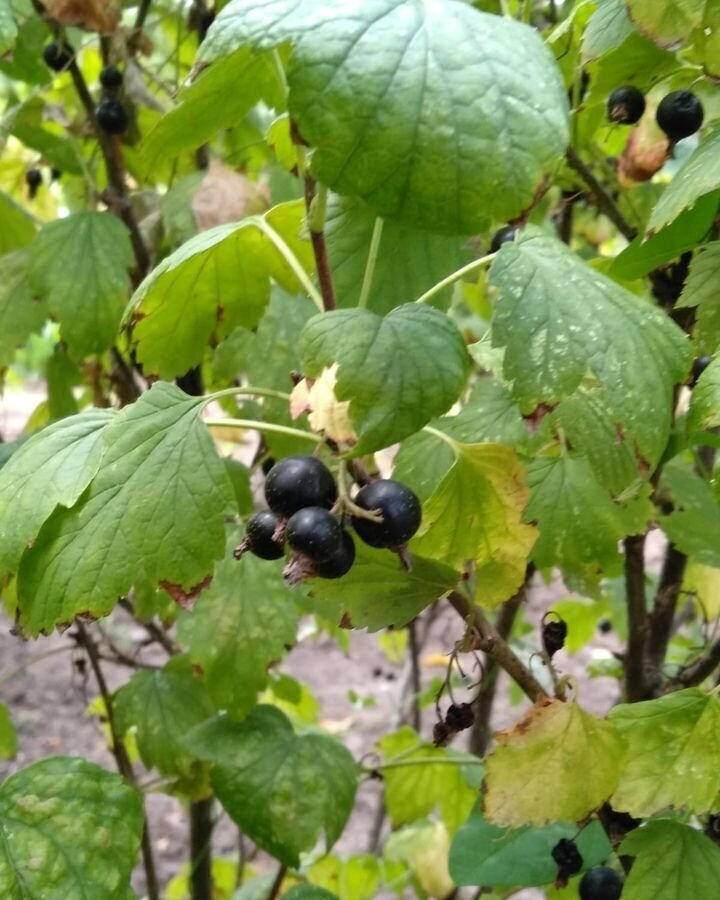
557, 763
704, 583
327, 414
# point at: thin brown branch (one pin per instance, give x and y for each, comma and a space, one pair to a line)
635, 673
157, 634
662, 617
276, 885
413, 655
701, 668
490, 642
320, 251
599, 195
201, 829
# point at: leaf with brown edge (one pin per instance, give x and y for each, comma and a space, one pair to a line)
183, 598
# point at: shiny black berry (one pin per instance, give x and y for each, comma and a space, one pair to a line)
601, 883
315, 533
567, 856
459, 716
340, 562
111, 78
297, 482
259, 535
58, 55
625, 105
112, 116
680, 114
400, 510
553, 636
33, 179
502, 236
698, 367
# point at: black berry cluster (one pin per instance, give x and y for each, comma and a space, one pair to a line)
458, 717
302, 497
601, 883
679, 114
110, 113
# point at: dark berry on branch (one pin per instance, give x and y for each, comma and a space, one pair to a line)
259, 535
625, 105
601, 883
112, 116
553, 636
340, 562
400, 510
315, 533
680, 114
297, 482
58, 55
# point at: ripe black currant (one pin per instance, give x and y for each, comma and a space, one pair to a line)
568, 859
33, 179
111, 78
441, 734
459, 716
400, 510
698, 367
680, 114
297, 482
604, 626
340, 562
315, 533
112, 116
55, 174
625, 105
502, 236
601, 883
712, 827
553, 636
259, 535
58, 55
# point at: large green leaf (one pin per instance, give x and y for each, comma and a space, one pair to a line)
608, 27
486, 854
67, 829
245, 621
283, 790
163, 705
20, 313
80, 266
673, 755
378, 592
694, 524
308, 892
409, 261
51, 469
8, 736
17, 228
8, 28
704, 409
699, 175
156, 505
218, 280
417, 107
667, 22
557, 764
702, 290
672, 861
561, 321
397, 372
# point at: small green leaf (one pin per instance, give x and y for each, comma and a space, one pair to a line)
519, 857
80, 266
156, 505
51, 469
667, 22
704, 409
354, 878
671, 861
608, 27
163, 705
20, 313
702, 290
8, 735
308, 892
67, 829
8, 28
17, 228
283, 790
244, 623
384, 370
694, 525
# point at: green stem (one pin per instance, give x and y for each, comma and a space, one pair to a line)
292, 261
270, 427
456, 276
247, 391
371, 262
441, 436
318, 209
424, 761
280, 72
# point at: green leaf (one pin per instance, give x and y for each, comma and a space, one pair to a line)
673, 755
403, 99
283, 790
51, 469
414, 791
519, 857
553, 341
244, 623
699, 175
556, 764
80, 266
667, 22
163, 705
694, 525
8, 28
355, 878
68, 829
702, 290
378, 592
308, 892
671, 861
211, 103
383, 367
704, 409
156, 505
608, 27
20, 313
8, 736
17, 228
409, 261
475, 514
214, 283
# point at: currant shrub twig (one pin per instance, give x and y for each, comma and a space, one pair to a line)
455, 276
317, 239
634, 663
599, 196
276, 885
371, 263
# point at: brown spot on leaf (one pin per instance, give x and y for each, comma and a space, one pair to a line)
186, 599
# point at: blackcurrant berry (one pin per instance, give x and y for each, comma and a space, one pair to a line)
112, 116
553, 636
111, 78
441, 734
601, 883
567, 856
698, 367
259, 535
315, 533
604, 626
400, 510
58, 55
502, 236
267, 464
55, 174
712, 827
297, 482
625, 105
459, 716
33, 179
680, 114
340, 562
